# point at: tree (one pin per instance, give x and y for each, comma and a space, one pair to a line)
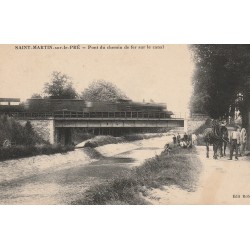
36, 95
29, 138
60, 87
11, 130
102, 91
221, 75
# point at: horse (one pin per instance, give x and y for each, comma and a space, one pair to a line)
214, 136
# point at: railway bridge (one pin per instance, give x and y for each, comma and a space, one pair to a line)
57, 127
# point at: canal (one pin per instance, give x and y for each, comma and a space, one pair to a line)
63, 178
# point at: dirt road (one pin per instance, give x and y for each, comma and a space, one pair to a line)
221, 182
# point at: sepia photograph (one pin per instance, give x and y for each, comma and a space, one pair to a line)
124, 124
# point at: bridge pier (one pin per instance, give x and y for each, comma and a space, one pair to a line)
63, 136
45, 128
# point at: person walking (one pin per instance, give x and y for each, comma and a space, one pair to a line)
178, 139
167, 149
243, 141
194, 139
185, 137
234, 142
174, 140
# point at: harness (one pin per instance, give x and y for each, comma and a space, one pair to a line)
216, 133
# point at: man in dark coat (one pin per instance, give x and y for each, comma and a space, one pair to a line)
174, 140
178, 139
185, 137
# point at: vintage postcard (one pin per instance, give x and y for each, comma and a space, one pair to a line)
124, 124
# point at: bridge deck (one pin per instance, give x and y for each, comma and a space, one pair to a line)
94, 115
69, 119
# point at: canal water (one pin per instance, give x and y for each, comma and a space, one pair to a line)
63, 178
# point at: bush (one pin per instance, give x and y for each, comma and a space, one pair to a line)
14, 132
107, 139
134, 137
79, 135
103, 140
202, 128
90, 144
121, 191
23, 151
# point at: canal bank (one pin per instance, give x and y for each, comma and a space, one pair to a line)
180, 167
63, 178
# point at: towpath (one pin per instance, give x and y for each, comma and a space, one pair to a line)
221, 182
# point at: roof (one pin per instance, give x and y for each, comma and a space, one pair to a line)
9, 99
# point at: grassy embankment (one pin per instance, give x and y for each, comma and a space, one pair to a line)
180, 168
101, 140
199, 132
21, 151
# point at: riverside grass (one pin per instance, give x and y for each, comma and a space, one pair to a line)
101, 140
21, 151
180, 168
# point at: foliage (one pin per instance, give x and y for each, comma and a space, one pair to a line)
134, 137
222, 73
201, 129
27, 151
79, 135
36, 95
60, 87
13, 131
102, 91
101, 140
31, 138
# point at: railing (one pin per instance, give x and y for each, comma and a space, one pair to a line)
97, 115
31, 115
189, 115
194, 115
179, 115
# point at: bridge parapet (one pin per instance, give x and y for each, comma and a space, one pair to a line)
75, 114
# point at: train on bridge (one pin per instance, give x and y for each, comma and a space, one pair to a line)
64, 106
63, 120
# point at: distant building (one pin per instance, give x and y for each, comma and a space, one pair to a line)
9, 105
9, 101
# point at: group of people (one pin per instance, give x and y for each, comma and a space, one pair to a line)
186, 141
238, 140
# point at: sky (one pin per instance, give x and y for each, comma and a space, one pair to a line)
163, 74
